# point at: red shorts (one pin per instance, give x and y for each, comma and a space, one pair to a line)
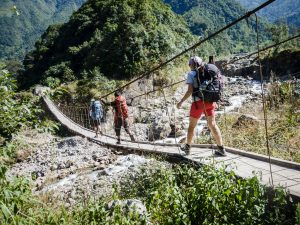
199, 107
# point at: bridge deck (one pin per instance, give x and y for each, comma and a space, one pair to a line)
285, 173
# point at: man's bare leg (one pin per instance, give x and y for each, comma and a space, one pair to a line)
192, 125
216, 133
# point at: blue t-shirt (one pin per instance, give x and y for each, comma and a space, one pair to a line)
191, 79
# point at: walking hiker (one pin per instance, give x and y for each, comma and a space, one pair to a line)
96, 114
204, 85
121, 116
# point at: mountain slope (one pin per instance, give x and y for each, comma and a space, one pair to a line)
206, 16
117, 38
19, 33
288, 10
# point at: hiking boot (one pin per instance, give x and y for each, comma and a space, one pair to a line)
220, 151
132, 137
186, 148
118, 141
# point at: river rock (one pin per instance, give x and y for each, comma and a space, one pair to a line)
246, 120
159, 129
128, 205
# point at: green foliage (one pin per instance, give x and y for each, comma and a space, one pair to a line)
60, 70
206, 17
9, 148
298, 214
16, 110
52, 82
22, 23
14, 197
280, 93
117, 38
287, 10
281, 32
185, 195
179, 195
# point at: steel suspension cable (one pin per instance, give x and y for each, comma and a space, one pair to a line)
263, 49
170, 120
263, 98
248, 14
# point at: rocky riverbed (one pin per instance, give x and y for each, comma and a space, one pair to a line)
73, 169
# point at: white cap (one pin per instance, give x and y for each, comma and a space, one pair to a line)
196, 59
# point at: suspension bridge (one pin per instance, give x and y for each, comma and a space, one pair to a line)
272, 171
244, 164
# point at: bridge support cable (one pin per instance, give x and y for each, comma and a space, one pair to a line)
147, 73
263, 49
263, 99
246, 56
170, 120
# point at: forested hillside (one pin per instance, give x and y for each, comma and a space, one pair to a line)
18, 33
286, 11
117, 38
205, 17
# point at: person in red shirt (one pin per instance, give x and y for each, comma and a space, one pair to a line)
121, 116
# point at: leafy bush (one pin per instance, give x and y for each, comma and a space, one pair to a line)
61, 70
16, 110
280, 92
186, 195
179, 195
15, 196
52, 82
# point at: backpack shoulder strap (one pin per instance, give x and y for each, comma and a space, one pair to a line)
197, 76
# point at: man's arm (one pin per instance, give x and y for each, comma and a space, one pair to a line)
108, 103
188, 93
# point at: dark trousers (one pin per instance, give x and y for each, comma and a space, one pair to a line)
119, 122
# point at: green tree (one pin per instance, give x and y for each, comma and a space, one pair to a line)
122, 37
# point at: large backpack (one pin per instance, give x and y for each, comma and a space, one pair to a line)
209, 84
96, 110
121, 107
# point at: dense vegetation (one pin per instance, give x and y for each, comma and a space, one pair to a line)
179, 195
288, 10
116, 38
185, 195
18, 111
19, 32
206, 17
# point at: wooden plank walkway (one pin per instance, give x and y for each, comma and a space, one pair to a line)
245, 164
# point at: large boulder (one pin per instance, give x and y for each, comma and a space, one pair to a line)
246, 121
159, 129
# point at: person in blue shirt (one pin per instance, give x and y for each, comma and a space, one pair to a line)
96, 114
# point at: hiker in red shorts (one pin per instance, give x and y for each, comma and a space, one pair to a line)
199, 105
